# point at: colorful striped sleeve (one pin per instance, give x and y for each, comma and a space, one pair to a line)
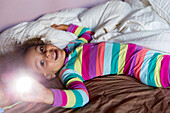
84, 36
75, 95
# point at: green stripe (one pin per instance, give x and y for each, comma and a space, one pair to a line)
79, 99
71, 62
115, 57
151, 70
82, 31
68, 78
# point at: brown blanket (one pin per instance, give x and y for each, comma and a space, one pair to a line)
110, 94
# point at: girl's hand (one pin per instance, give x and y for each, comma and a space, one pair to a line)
38, 93
60, 27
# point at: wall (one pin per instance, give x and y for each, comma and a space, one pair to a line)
13, 12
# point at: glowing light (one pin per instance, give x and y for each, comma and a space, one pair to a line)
23, 84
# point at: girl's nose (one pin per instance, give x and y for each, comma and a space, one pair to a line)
47, 54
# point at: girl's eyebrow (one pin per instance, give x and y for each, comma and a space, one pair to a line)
35, 48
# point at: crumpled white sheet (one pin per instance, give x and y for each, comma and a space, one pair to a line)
143, 26
112, 21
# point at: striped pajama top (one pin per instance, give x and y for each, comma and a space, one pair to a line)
89, 60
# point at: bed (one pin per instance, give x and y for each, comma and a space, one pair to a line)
143, 22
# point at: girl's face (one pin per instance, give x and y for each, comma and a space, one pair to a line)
45, 59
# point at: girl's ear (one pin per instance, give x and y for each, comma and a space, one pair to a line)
53, 76
45, 74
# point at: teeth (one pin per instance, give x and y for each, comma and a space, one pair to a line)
55, 55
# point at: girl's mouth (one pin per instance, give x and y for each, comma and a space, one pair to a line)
55, 55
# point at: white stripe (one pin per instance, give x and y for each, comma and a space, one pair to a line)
144, 68
84, 96
107, 58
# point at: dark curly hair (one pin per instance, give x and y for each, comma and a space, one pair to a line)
36, 41
8, 59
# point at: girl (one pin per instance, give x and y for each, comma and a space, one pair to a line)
81, 61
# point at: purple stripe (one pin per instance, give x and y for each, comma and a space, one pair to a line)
133, 60
76, 85
92, 60
57, 97
70, 28
87, 36
82, 87
66, 60
67, 52
169, 73
130, 52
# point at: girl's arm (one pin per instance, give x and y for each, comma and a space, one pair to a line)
75, 95
84, 34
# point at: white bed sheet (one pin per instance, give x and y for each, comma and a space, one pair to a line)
133, 21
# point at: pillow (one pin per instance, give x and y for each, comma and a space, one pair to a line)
162, 7
27, 30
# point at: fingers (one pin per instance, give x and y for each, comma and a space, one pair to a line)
54, 26
60, 27
35, 94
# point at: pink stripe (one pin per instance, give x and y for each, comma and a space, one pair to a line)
85, 62
164, 71
130, 52
86, 92
74, 29
61, 73
100, 59
169, 72
91, 32
86, 36
133, 60
64, 98
138, 64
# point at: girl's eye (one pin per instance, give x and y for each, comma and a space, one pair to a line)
42, 63
41, 49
